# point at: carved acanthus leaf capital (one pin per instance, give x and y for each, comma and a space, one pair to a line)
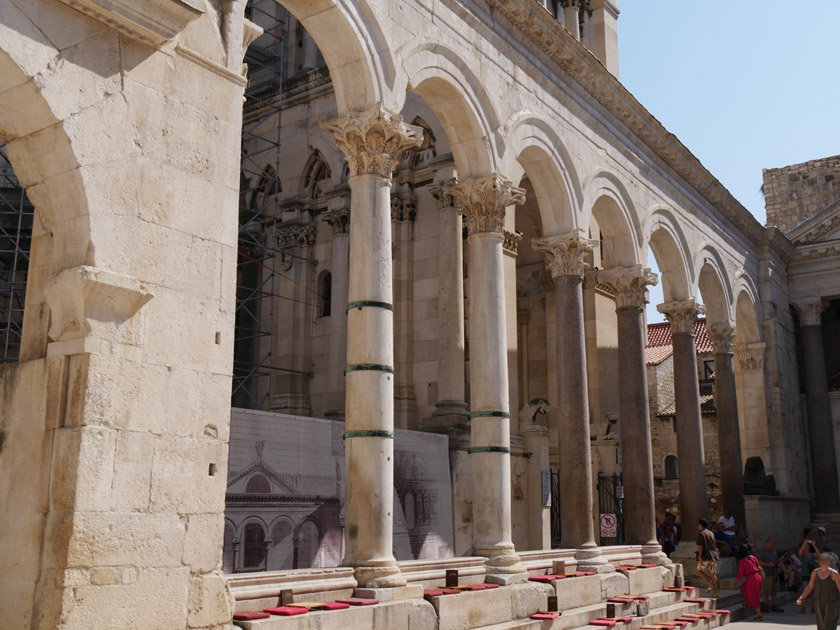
443, 198
750, 355
483, 202
810, 311
296, 234
722, 336
565, 255
682, 315
373, 141
628, 284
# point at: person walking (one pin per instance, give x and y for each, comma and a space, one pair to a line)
708, 556
769, 560
749, 570
825, 585
808, 556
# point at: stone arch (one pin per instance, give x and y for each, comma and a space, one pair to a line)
253, 537
541, 155
747, 326
258, 484
670, 249
608, 202
714, 285
308, 546
324, 302
671, 467
456, 96
316, 174
348, 34
227, 549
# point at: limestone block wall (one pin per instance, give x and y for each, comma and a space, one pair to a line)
796, 192
783, 518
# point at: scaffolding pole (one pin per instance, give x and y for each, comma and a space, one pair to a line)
16, 216
258, 209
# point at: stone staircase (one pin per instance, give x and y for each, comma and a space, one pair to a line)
583, 599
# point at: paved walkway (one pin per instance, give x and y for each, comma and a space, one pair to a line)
776, 621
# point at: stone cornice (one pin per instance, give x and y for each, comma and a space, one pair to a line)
548, 34
565, 255
681, 315
823, 223
484, 202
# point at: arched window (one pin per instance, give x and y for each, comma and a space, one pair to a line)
254, 546
671, 467
258, 485
281, 555
308, 545
317, 172
325, 294
227, 556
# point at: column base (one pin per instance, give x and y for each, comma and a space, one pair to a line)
686, 555
386, 576
503, 566
590, 559
449, 415
652, 554
409, 591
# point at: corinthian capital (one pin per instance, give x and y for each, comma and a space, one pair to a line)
628, 284
681, 315
722, 336
483, 202
565, 255
810, 311
373, 141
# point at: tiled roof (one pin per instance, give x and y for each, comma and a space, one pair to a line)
707, 406
659, 346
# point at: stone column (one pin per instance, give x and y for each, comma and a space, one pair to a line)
484, 202
729, 430
565, 257
373, 142
628, 284
451, 405
691, 458
339, 221
571, 17
820, 425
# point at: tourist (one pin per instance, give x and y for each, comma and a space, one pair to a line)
808, 556
821, 541
749, 570
768, 558
708, 556
726, 546
742, 540
668, 531
824, 586
728, 522
791, 567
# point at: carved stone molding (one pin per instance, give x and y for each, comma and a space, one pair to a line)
373, 141
750, 355
565, 255
338, 220
484, 201
84, 298
682, 315
722, 336
291, 235
152, 22
810, 311
403, 208
443, 198
511, 242
628, 284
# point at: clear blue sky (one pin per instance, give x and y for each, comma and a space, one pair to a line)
744, 84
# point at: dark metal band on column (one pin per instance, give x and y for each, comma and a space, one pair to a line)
368, 367
490, 414
360, 304
369, 434
489, 449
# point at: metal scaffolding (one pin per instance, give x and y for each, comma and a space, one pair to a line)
258, 209
16, 215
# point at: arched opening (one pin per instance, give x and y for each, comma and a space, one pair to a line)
325, 294
228, 552
254, 551
671, 468
281, 554
317, 174
308, 545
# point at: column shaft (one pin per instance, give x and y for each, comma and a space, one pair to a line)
372, 141
484, 203
729, 437
820, 425
338, 318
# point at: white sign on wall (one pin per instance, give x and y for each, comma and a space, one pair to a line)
609, 526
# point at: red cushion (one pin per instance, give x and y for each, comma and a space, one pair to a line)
646, 566
544, 616
358, 601
250, 615
608, 623
621, 600
546, 578
696, 600
583, 573
681, 624
432, 592
335, 606
287, 611
689, 588
490, 586
722, 611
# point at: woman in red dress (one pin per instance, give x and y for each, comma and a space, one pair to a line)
749, 571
